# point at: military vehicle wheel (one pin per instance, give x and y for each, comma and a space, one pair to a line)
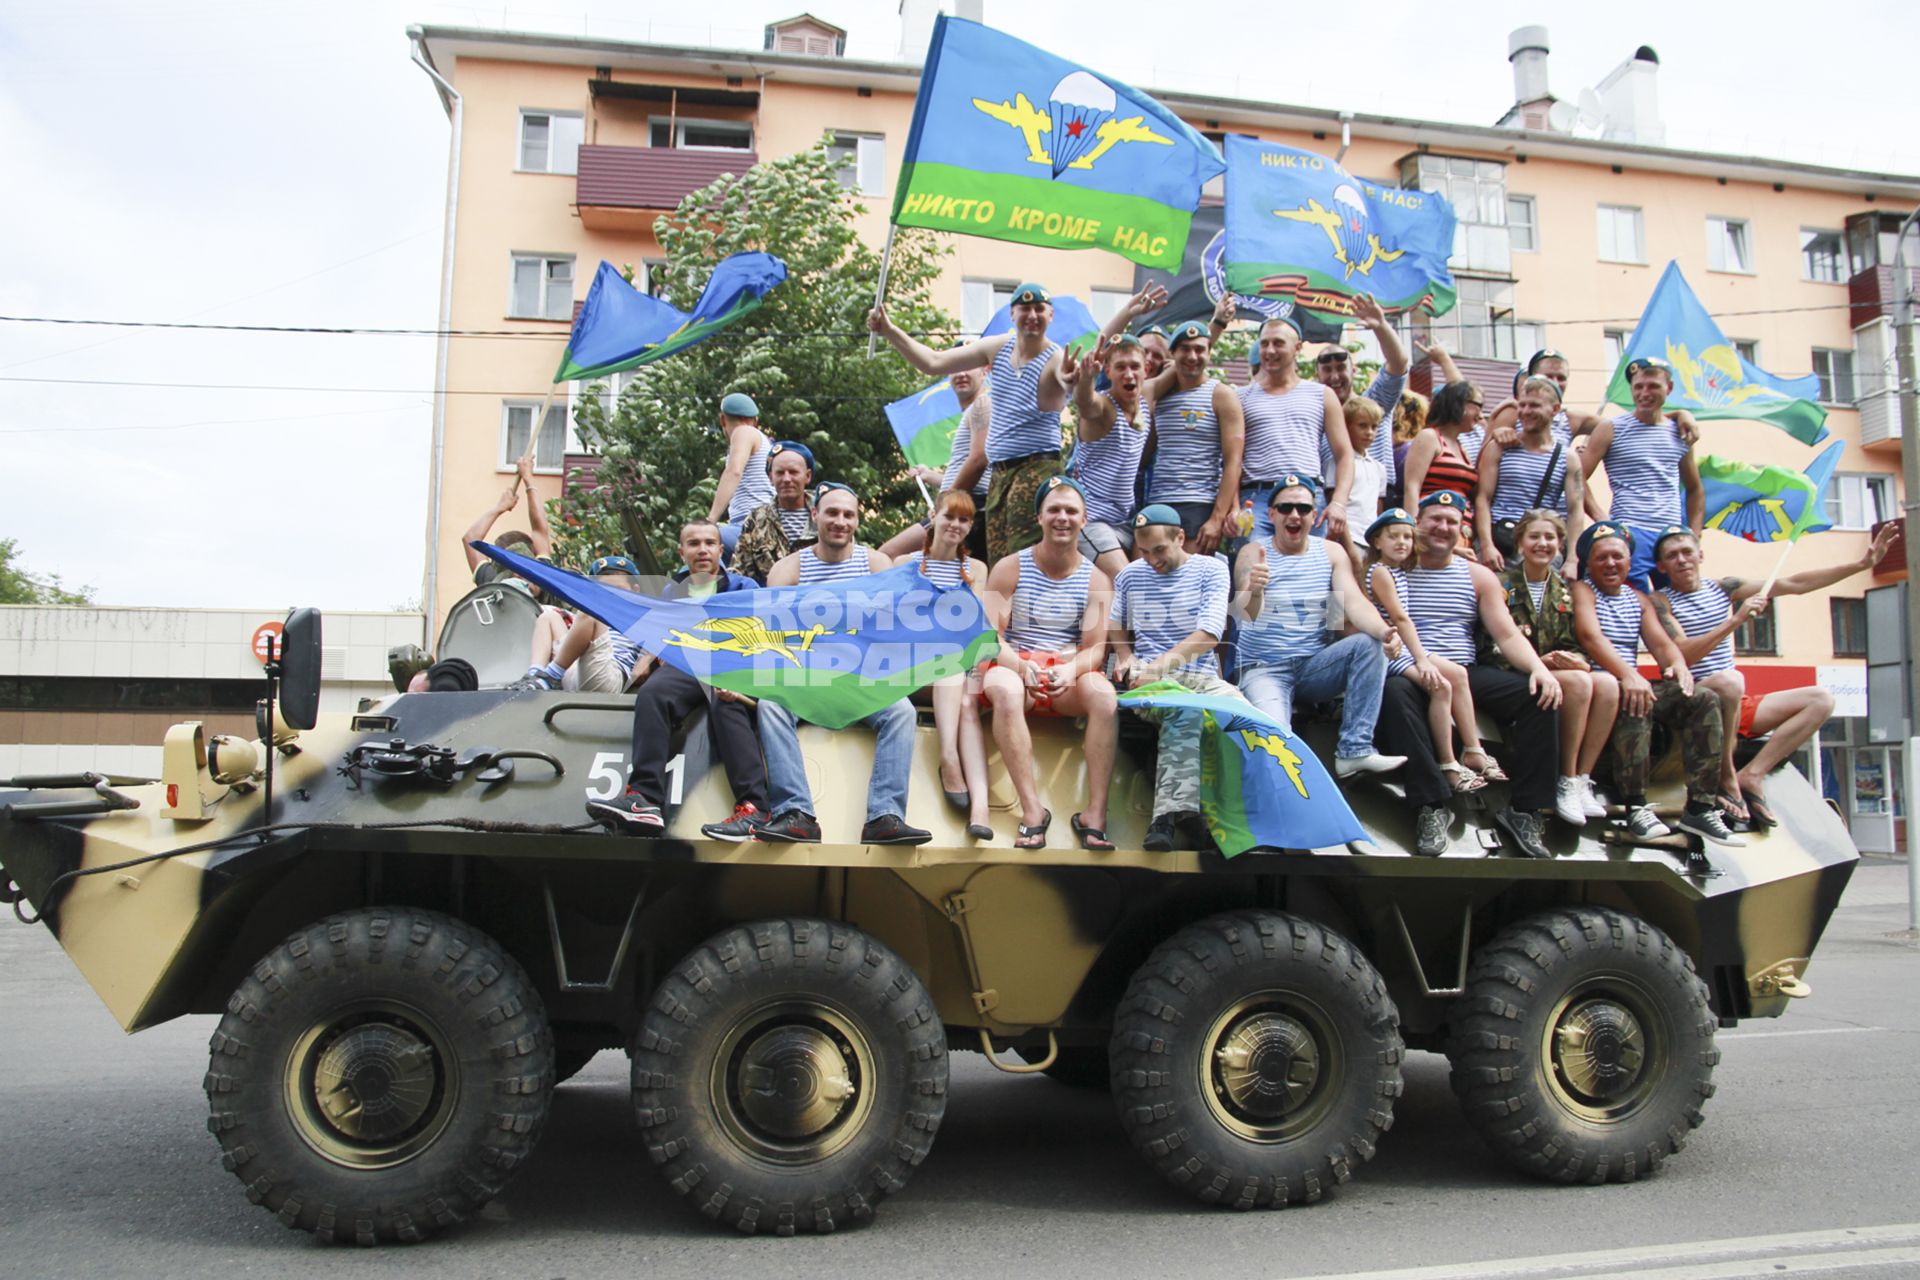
788, 1074
1256, 1059
379, 1074
1586, 1048
1079, 1066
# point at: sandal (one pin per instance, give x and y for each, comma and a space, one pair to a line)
1037, 833
1733, 806
1462, 779
1090, 837
1758, 815
1488, 772
979, 831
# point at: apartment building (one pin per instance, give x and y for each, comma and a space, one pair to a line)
564, 150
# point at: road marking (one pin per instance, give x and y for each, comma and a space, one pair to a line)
1802, 1252
1804, 1031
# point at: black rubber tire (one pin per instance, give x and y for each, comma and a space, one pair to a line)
368, 982
1580, 968
1078, 1066
740, 993
1284, 981
568, 1063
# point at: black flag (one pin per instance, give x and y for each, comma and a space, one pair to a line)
1195, 291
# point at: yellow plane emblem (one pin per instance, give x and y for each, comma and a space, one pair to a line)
1031, 121
751, 637
1772, 506
934, 390
1275, 745
1317, 214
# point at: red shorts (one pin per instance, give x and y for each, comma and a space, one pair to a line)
1039, 702
1748, 705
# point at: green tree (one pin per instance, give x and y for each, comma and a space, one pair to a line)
802, 357
17, 586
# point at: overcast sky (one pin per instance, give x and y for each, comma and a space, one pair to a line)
283, 163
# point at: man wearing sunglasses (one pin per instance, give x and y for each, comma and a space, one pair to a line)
1643, 451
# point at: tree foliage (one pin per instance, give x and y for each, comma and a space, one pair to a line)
17, 586
802, 357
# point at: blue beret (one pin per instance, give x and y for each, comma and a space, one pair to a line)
1157, 513
1391, 516
1444, 498
1052, 483
1029, 292
740, 405
790, 446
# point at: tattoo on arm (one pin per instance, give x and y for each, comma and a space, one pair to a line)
1668, 623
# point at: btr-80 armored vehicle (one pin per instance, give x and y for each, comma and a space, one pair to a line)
412, 935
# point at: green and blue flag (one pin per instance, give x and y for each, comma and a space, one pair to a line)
1260, 786
1010, 142
1711, 379
1301, 228
1768, 503
621, 328
833, 653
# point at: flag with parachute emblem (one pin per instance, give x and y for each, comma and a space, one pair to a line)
1767, 503
1010, 142
621, 328
1711, 379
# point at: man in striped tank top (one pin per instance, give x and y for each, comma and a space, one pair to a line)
1199, 436
743, 478
782, 526
1643, 453
1169, 612
837, 556
1292, 593
1112, 438
1289, 425
1701, 614
1334, 369
1444, 598
1612, 621
1024, 433
1050, 605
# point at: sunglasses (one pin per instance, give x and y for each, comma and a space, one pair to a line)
1332, 357
1294, 508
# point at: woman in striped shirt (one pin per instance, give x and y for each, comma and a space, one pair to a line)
1436, 461
1051, 606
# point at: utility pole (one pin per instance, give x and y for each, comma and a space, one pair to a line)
1909, 390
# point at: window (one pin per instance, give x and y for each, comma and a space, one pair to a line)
1616, 343
1858, 500
1822, 256
1529, 336
606, 390
542, 288
1849, 626
1835, 370
1214, 191
1727, 246
655, 284
1521, 224
516, 419
701, 135
1477, 190
1481, 322
1757, 635
860, 162
981, 300
1748, 350
1104, 304
1620, 234
550, 141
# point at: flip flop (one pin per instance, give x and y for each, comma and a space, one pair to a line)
1733, 806
1026, 832
1758, 815
1090, 837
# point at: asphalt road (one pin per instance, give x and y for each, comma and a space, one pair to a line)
1806, 1164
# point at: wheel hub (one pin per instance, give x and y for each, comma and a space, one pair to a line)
1600, 1050
794, 1081
1267, 1065
371, 1086
789, 1081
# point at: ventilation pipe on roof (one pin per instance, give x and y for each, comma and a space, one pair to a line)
1527, 51
1630, 99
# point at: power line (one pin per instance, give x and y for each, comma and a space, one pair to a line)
220, 422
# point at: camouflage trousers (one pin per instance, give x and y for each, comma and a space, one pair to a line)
1012, 523
1694, 720
1176, 778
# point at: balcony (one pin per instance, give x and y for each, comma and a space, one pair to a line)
626, 188
1870, 293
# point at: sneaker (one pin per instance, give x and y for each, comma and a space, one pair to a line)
890, 828
1160, 833
791, 827
631, 813
1524, 826
1590, 797
1569, 802
1643, 825
535, 680
1373, 762
741, 826
1708, 823
1431, 825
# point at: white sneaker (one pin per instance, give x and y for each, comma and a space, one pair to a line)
1590, 798
1346, 766
1642, 823
1567, 798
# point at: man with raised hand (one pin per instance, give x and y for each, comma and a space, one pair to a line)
1112, 435
1652, 475
1334, 369
1290, 425
966, 469
1199, 436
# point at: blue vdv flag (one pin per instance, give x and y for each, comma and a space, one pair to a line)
1260, 786
1010, 142
1711, 379
1302, 228
1072, 324
1769, 503
833, 653
621, 328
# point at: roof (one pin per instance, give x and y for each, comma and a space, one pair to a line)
443, 44
807, 17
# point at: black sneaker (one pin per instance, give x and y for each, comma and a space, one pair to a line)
1524, 826
791, 827
535, 680
1430, 825
1161, 833
741, 826
890, 828
1707, 823
631, 813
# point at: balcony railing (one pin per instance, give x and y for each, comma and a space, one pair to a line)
616, 184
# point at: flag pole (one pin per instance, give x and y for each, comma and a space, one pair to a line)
880, 290
923, 492
1767, 590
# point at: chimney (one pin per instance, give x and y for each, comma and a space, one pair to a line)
916, 23
1527, 51
1630, 99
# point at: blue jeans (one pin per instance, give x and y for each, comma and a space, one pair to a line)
729, 539
787, 787
1356, 666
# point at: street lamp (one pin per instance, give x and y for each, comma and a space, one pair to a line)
1910, 505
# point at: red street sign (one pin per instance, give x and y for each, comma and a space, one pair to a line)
260, 637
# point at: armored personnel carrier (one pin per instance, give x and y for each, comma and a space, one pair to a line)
411, 935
